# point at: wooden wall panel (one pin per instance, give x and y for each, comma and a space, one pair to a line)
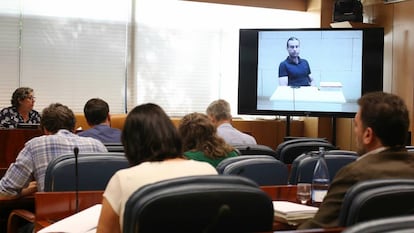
403, 50
397, 20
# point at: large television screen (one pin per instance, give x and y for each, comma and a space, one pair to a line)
308, 72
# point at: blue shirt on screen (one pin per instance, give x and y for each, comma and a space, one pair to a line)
298, 74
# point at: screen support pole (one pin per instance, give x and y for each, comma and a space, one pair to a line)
334, 130
287, 125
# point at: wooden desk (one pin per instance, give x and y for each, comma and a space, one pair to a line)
12, 141
54, 206
281, 192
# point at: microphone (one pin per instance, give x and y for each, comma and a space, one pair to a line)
76, 152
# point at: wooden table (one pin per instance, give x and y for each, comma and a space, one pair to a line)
54, 206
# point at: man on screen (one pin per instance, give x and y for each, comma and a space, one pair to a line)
294, 71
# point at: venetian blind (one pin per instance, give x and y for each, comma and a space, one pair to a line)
186, 53
75, 50
9, 50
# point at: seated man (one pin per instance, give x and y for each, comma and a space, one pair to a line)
219, 113
97, 115
381, 129
58, 125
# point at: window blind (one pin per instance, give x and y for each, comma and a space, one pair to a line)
9, 50
186, 53
179, 54
75, 50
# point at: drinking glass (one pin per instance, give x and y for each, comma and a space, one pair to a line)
303, 193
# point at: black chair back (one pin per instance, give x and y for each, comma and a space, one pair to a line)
223, 164
303, 166
400, 224
292, 150
254, 149
293, 140
94, 171
209, 203
114, 147
263, 170
375, 199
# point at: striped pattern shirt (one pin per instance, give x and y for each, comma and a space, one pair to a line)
32, 161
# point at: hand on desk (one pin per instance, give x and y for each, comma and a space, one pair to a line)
30, 189
27, 191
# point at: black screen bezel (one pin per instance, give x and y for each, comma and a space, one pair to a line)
372, 70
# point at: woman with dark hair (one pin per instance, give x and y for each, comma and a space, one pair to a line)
21, 110
154, 150
201, 142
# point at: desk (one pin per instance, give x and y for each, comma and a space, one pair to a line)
307, 99
53, 206
281, 192
12, 141
308, 94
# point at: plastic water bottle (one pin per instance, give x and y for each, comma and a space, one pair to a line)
320, 181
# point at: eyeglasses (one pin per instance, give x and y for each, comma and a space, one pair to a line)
31, 98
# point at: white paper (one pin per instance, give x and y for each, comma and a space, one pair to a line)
291, 209
83, 222
293, 213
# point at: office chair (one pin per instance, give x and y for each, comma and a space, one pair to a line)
222, 165
94, 171
375, 199
292, 150
303, 166
264, 171
209, 203
114, 147
292, 140
254, 149
401, 224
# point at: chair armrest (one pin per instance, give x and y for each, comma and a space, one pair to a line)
16, 217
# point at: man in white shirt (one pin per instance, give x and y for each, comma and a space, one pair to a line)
219, 113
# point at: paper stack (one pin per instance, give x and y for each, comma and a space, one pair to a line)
83, 222
293, 213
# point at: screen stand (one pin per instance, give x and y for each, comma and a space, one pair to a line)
287, 126
334, 131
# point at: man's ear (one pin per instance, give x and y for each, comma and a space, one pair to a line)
368, 136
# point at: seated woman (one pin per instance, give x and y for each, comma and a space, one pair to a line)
153, 148
21, 110
201, 142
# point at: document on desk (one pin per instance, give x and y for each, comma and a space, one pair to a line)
330, 93
83, 222
293, 213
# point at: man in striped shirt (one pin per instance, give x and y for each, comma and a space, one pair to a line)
26, 175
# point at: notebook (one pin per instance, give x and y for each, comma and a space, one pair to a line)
293, 213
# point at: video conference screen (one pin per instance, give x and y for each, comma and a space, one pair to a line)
308, 71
